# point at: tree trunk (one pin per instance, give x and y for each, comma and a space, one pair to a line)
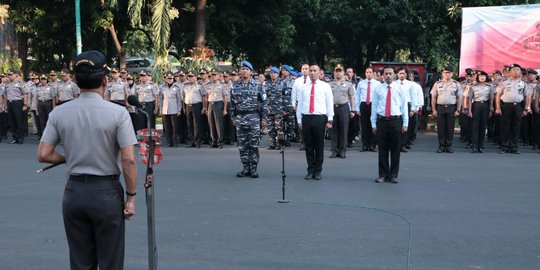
200, 24
23, 51
118, 47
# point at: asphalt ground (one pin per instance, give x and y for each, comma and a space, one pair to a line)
466, 211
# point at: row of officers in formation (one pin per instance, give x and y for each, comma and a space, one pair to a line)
196, 106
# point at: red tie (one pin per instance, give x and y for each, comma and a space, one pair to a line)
387, 108
368, 98
312, 98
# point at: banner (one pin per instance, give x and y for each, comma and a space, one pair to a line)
492, 37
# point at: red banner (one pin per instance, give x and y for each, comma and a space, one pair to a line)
493, 37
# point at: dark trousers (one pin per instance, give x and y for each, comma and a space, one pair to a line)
93, 219
389, 140
465, 126
313, 127
368, 138
526, 129
17, 119
536, 123
405, 135
354, 128
149, 108
480, 114
413, 128
37, 121
182, 129
445, 124
44, 109
229, 131
340, 128
215, 121
194, 123
169, 126
4, 126
510, 124
135, 121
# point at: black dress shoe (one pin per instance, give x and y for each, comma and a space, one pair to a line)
342, 155
480, 150
380, 180
363, 149
243, 173
393, 180
308, 176
449, 150
474, 150
271, 147
334, 155
317, 176
254, 174
14, 142
404, 150
408, 146
373, 149
220, 146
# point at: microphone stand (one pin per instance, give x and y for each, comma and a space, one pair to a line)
281, 138
149, 194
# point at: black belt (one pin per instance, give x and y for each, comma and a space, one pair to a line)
248, 112
512, 103
147, 102
193, 104
48, 100
14, 100
212, 102
446, 105
387, 118
339, 105
481, 102
93, 178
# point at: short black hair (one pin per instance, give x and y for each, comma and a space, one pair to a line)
87, 79
404, 69
389, 67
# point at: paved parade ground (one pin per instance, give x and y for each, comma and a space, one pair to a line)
466, 211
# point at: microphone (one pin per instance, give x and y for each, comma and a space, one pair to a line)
134, 101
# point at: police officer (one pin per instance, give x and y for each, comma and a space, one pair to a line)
247, 103
229, 136
133, 113
170, 101
193, 95
117, 90
67, 90
343, 92
18, 104
46, 96
446, 105
274, 107
536, 116
98, 138
527, 127
479, 96
511, 92
53, 78
217, 98
148, 94
181, 124
32, 91
465, 122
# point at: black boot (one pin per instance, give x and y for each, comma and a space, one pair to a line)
254, 173
245, 172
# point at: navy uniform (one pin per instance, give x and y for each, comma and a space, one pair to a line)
170, 101
247, 103
446, 105
274, 107
217, 98
98, 140
480, 96
510, 93
389, 119
147, 92
288, 108
193, 95
66, 89
46, 95
363, 98
17, 106
343, 92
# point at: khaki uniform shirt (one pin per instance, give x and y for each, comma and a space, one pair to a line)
45, 93
93, 131
170, 99
146, 91
342, 91
447, 93
16, 90
513, 91
117, 90
216, 92
67, 90
478, 92
192, 93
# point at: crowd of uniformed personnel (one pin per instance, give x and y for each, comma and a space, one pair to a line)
196, 106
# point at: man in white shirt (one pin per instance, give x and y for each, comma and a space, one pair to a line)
364, 94
314, 113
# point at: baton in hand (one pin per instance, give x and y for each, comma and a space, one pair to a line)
49, 167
